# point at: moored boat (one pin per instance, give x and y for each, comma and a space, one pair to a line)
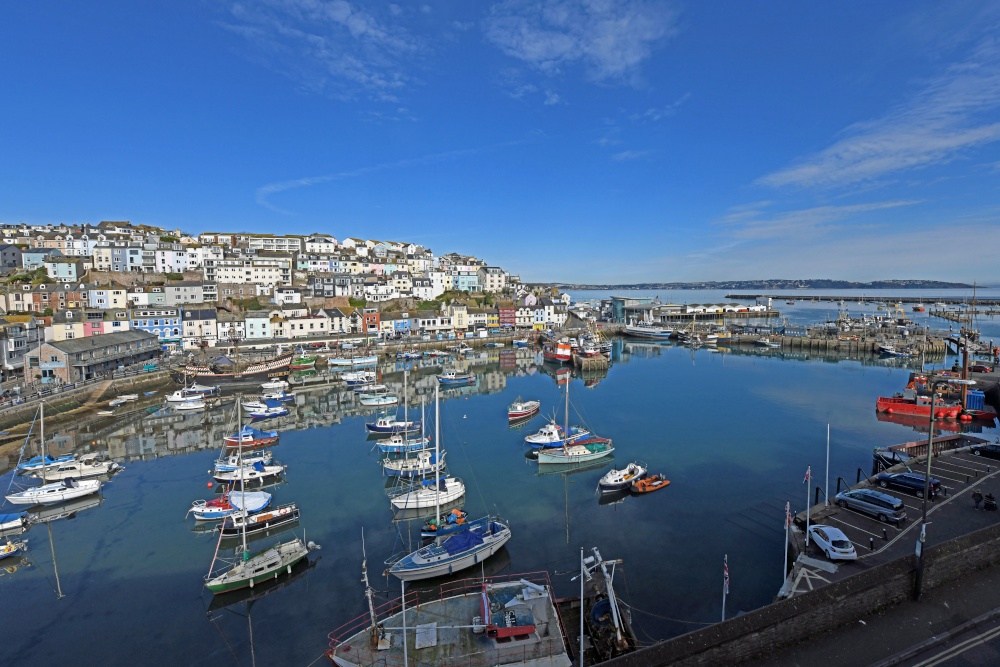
557, 352
552, 435
251, 438
455, 377
57, 492
521, 409
228, 503
240, 521
255, 569
261, 371
918, 405
620, 478
518, 623
647, 330
649, 483
455, 551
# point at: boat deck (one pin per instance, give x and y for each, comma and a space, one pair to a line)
441, 632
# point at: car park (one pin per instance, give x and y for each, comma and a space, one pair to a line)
880, 505
832, 542
990, 451
908, 481
980, 368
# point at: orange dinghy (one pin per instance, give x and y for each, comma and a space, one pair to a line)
651, 483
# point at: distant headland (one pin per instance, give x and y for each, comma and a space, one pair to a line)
774, 284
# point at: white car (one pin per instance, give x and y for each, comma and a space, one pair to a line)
832, 542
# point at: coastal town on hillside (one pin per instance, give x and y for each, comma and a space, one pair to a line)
64, 282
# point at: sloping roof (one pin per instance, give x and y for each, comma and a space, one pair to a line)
105, 340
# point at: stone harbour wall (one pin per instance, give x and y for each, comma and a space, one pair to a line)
791, 621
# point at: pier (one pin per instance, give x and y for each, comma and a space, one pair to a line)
853, 298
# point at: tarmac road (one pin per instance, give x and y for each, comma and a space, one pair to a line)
944, 628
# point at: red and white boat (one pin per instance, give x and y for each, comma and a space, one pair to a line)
251, 438
918, 405
519, 409
557, 352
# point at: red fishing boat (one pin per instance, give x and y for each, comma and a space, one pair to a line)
558, 353
519, 409
918, 405
251, 438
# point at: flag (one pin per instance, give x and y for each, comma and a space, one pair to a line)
725, 572
788, 516
808, 475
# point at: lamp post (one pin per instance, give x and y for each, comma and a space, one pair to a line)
918, 579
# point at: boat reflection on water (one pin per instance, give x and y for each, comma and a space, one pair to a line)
613, 497
921, 424
14, 563
69, 510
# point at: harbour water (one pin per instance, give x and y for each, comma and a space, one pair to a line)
733, 431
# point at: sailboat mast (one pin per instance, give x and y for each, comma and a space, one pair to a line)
239, 433
566, 431
41, 407
437, 451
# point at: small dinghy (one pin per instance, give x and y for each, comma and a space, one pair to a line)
648, 484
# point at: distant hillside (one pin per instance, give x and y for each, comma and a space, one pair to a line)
777, 284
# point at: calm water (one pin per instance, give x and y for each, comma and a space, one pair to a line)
733, 432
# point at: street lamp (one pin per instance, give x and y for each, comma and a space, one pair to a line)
918, 579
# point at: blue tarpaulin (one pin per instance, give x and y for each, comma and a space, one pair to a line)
463, 541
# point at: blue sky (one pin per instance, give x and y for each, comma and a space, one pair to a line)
602, 141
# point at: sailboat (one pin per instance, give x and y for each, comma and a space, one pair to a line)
457, 551
577, 451
56, 492
424, 463
431, 492
253, 569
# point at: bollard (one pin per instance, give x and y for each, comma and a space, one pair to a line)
885, 534
871, 544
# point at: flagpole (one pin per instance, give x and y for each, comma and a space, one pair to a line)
806, 480
788, 514
826, 491
725, 583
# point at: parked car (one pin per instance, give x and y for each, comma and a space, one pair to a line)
980, 368
908, 481
880, 505
990, 451
832, 542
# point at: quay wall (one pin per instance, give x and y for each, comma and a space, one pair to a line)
787, 622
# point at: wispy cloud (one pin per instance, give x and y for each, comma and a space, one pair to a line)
625, 156
755, 221
334, 47
952, 113
610, 39
656, 114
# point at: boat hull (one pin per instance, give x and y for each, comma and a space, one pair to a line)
906, 406
579, 452
273, 368
286, 556
434, 561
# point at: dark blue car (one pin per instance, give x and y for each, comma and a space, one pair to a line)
908, 481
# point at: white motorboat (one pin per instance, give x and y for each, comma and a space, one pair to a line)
274, 385
620, 478
81, 468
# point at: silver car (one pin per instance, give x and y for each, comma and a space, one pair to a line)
880, 505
